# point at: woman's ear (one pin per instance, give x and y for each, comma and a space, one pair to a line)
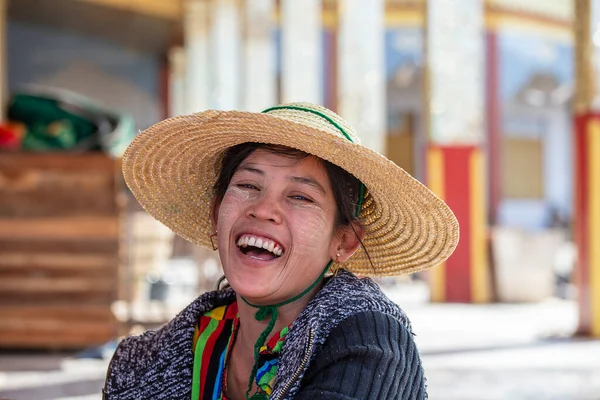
348, 240
214, 215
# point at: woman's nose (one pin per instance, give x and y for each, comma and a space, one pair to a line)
265, 208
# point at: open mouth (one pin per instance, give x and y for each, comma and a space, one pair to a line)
259, 247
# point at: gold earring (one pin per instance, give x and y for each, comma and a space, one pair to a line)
215, 246
335, 269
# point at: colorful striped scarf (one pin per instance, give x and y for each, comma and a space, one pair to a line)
213, 339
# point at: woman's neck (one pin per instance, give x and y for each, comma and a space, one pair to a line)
250, 329
242, 359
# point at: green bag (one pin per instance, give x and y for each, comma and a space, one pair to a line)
58, 120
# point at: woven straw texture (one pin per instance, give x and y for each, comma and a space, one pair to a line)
171, 168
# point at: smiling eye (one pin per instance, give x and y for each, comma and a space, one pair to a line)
246, 186
301, 198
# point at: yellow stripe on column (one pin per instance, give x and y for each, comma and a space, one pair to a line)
479, 270
593, 156
435, 173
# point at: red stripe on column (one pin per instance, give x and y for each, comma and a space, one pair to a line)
582, 275
457, 190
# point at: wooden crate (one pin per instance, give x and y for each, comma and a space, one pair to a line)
60, 249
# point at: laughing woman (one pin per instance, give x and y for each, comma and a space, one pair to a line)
295, 206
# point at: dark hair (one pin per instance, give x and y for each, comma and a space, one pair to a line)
344, 185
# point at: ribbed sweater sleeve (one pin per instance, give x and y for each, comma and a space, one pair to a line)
370, 355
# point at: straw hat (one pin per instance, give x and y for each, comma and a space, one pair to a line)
172, 166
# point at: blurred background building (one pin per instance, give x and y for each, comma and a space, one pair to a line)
491, 103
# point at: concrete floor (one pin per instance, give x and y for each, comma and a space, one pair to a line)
512, 352
469, 352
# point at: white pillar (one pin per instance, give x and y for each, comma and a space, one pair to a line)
301, 50
260, 80
361, 87
195, 28
177, 84
455, 58
225, 55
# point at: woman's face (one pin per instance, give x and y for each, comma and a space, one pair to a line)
275, 226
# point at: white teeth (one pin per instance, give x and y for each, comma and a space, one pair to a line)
260, 243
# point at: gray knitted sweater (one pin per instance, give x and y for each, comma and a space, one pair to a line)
349, 331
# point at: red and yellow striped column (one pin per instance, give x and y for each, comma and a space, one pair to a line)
587, 221
457, 175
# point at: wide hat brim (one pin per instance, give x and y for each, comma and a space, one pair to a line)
172, 166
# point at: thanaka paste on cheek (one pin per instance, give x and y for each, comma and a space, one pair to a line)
238, 192
307, 239
227, 210
231, 203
